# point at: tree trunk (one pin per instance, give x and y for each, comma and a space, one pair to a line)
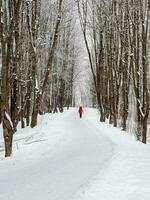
36, 109
8, 132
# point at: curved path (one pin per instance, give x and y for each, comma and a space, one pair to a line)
59, 172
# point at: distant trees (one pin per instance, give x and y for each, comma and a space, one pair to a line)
116, 34
38, 57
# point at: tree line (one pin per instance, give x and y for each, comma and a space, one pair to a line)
38, 59
117, 34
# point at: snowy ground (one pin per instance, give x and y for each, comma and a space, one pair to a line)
67, 158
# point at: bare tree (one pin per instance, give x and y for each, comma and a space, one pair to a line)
7, 29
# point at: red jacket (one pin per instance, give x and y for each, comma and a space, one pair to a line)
80, 109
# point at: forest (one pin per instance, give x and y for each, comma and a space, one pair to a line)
40, 56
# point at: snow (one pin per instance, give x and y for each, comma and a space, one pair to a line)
127, 177
36, 84
8, 118
67, 158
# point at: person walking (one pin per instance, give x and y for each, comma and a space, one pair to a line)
80, 111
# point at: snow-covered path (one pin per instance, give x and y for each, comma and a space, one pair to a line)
67, 158
54, 167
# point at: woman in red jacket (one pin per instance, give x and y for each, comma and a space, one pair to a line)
80, 111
